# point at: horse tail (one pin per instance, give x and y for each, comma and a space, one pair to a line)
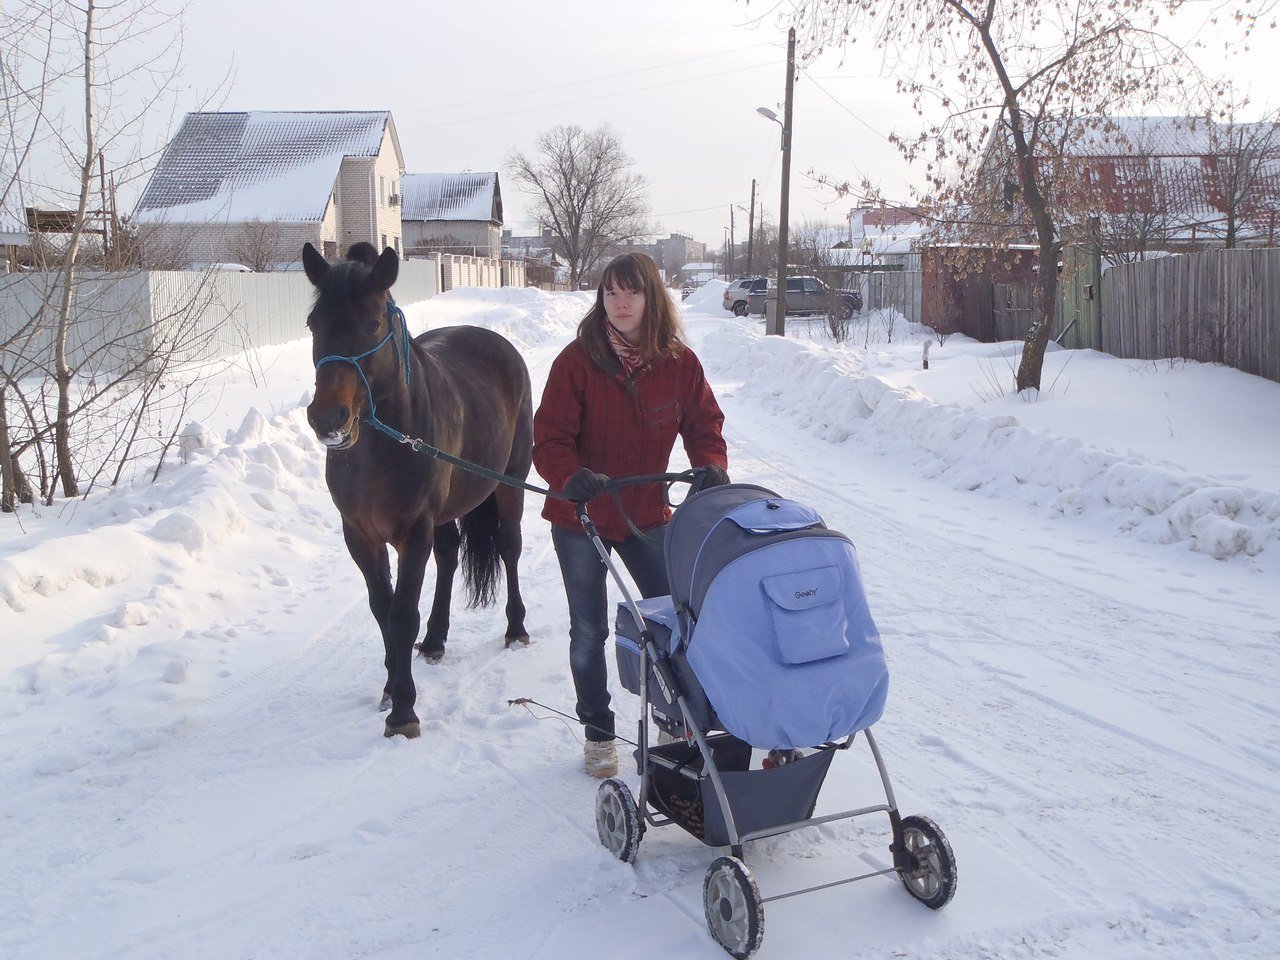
480, 557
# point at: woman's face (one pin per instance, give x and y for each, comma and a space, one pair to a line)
625, 310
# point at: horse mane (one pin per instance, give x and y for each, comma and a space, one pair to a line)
363, 252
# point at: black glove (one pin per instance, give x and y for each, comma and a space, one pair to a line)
713, 476
584, 485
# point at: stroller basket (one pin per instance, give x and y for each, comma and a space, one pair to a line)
661, 622
760, 800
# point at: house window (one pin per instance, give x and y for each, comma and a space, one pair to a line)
382, 191
397, 243
384, 241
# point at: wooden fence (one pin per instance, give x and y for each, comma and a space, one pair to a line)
1219, 306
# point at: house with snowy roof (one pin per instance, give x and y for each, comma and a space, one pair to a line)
1164, 183
253, 187
458, 213
887, 237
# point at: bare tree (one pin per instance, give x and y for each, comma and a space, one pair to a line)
1244, 180
84, 376
1012, 78
262, 245
585, 191
817, 251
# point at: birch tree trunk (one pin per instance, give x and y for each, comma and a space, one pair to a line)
62, 370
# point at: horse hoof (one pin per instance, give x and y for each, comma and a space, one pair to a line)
409, 731
432, 656
520, 641
385, 703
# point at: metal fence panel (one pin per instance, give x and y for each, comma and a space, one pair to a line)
894, 289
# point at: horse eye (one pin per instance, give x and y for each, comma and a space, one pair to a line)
373, 326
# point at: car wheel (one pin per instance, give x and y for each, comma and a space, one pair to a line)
739, 309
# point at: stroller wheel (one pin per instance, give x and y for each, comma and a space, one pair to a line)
618, 820
932, 879
735, 915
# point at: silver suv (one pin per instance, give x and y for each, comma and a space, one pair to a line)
737, 294
807, 296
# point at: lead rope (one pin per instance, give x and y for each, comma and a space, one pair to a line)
396, 318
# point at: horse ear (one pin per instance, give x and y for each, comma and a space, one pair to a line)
314, 264
386, 269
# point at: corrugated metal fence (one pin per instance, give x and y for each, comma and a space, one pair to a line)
120, 317
1219, 306
896, 289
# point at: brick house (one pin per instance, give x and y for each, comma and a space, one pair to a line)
1158, 184
233, 187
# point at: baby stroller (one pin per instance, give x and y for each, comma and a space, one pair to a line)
765, 642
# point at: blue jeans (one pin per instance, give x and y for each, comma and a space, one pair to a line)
586, 588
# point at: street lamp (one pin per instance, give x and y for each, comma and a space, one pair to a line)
776, 322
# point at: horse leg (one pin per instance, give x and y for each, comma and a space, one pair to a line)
371, 557
402, 622
510, 545
447, 539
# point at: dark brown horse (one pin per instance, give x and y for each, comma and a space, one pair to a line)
462, 391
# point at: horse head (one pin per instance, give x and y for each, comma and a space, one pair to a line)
352, 339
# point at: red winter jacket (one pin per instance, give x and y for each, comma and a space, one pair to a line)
591, 415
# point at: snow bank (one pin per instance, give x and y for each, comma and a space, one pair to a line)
832, 397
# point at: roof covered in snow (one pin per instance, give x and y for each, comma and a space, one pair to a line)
259, 165
452, 196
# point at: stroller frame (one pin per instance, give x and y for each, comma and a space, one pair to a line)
921, 855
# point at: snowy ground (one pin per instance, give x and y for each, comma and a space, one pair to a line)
1080, 603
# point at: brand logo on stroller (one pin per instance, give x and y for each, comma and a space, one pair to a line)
801, 594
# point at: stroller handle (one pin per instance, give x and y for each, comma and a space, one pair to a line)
695, 477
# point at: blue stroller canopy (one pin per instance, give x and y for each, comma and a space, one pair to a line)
774, 618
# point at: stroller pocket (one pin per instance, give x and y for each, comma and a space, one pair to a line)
808, 614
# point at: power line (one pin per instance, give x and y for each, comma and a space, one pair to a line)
586, 80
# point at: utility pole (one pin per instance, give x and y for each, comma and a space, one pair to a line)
732, 258
777, 324
751, 226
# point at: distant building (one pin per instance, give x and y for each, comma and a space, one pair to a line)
257, 185
543, 266
1159, 183
677, 250
458, 213
886, 237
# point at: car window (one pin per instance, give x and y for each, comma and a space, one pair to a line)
812, 286
793, 284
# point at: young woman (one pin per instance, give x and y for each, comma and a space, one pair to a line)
615, 401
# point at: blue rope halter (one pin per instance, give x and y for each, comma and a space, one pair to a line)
395, 317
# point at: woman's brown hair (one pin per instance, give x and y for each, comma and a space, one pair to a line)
660, 329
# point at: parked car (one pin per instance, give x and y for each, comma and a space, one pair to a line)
808, 296
737, 293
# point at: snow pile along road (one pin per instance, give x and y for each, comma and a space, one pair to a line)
829, 395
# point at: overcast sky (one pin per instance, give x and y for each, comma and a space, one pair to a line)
467, 83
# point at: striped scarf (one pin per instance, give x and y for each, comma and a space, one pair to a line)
628, 353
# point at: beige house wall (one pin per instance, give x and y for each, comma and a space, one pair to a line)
365, 208
479, 238
183, 244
